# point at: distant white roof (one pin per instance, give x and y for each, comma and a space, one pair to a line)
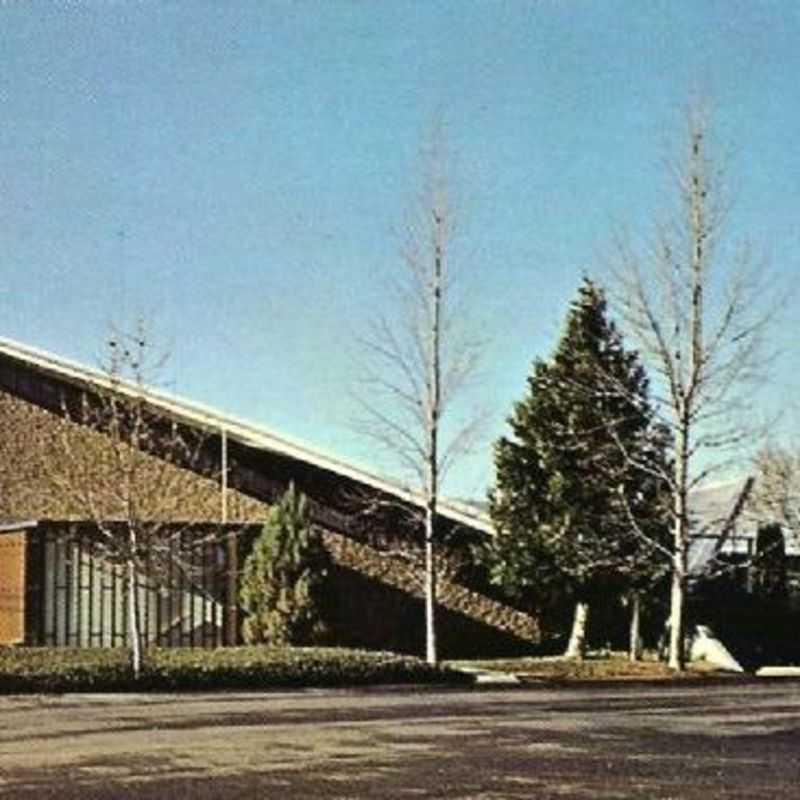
710, 506
236, 429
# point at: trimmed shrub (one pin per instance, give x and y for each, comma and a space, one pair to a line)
26, 670
43, 669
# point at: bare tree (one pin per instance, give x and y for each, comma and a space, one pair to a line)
695, 305
776, 491
113, 460
417, 359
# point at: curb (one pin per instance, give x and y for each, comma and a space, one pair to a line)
778, 672
485, 677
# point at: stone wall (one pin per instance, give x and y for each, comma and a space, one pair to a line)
406, 575
375, 596
46, 462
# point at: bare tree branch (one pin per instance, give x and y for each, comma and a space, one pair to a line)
113, 460
702, 333
416, 363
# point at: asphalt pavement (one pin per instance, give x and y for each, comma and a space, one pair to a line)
733, 740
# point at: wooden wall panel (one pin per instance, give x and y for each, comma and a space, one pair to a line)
12, 588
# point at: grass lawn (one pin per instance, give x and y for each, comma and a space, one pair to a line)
596, 666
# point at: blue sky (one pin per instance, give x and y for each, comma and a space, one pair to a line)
236, 172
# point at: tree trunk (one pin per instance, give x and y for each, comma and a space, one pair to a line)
134, 637
432, 454
431, 655
676, 660
635, 642
576, 648
679, 545
687, 399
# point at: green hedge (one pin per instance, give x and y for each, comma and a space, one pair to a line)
24, 670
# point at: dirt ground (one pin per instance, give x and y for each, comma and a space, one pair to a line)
727, 741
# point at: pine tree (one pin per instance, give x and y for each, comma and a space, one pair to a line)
576, 502
284, 576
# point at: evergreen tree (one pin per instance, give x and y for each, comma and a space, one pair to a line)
769, 577
576, 502
284, 576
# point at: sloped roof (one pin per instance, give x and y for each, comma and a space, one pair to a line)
248, 434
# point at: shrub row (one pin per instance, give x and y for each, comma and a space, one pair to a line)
25, 670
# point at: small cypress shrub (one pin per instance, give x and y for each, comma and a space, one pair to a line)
284, 578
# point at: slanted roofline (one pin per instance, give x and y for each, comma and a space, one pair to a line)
208, 419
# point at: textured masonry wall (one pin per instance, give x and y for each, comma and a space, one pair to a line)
32, 456
396, 572
25, 493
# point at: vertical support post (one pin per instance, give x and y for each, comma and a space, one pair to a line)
232, 626
231, 554
224, 475
34, 587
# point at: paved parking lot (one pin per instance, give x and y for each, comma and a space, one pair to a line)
729, 741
